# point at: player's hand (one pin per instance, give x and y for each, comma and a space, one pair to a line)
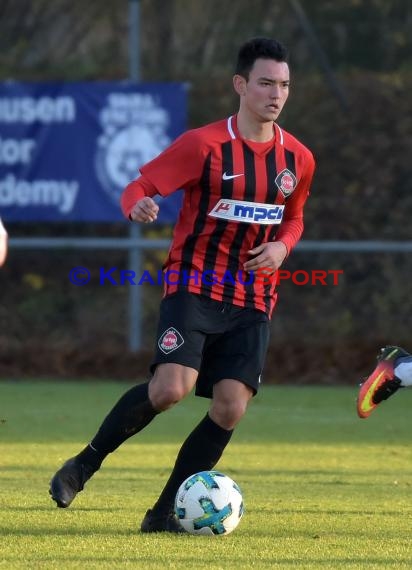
145, 210
266, 255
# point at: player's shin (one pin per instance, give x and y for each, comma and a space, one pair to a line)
131, 414
200, 452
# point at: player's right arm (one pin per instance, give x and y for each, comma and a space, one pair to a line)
178, 166
137, 201
145, 210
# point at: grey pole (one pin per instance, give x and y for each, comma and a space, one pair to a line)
135, 252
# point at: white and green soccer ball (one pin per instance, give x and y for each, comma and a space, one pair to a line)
209, 503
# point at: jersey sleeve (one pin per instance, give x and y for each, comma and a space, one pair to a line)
292, 225
135, 191
178, 166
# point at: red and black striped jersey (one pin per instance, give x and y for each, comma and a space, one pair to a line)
237, 195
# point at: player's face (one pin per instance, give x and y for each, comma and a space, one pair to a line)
266, 90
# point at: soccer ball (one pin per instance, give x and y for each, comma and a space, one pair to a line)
209, 503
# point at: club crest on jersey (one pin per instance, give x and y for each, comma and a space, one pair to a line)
170, 340
286, 182
249, 212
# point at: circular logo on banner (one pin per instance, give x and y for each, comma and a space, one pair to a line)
134, 132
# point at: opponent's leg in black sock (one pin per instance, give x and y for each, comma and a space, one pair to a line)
200, 452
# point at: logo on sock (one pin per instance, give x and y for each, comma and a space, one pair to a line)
170, 340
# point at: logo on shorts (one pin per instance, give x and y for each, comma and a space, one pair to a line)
286, 182
170, 340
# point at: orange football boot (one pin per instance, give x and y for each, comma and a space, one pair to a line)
382, 383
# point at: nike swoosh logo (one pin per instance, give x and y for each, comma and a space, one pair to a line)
230, 176
367, 403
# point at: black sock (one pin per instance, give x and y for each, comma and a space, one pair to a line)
130, 415
91, 457
200, 452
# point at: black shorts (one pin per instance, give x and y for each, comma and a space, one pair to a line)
218, 339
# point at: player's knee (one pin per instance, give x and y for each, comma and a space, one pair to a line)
164, 396
170, 384
228, 413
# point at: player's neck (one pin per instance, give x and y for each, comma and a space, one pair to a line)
253, 130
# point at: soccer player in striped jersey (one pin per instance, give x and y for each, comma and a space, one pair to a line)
393, 371
245, 181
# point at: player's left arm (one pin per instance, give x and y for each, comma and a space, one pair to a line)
271, 255
268, 256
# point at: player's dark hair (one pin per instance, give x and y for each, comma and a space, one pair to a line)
258, 48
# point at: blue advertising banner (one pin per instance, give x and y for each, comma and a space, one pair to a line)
67, 150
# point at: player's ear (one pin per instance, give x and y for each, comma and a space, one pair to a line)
239, 83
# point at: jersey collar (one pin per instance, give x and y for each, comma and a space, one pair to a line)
234, 133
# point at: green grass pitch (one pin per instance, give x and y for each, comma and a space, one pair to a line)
322, 488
